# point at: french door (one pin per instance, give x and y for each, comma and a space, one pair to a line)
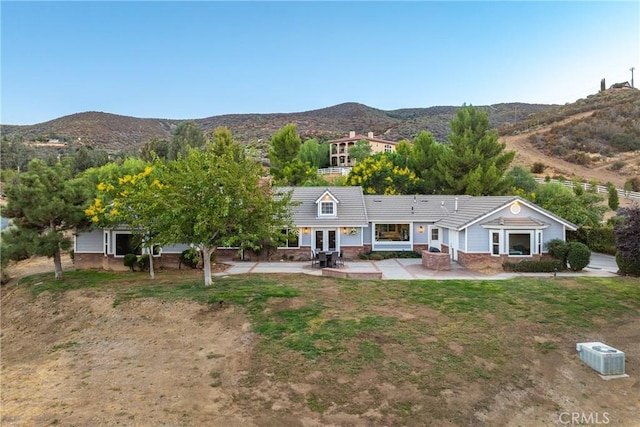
325, 240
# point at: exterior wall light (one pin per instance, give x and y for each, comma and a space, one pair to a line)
421, 229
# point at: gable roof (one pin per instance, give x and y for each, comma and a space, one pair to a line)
475, 209
351, 211
326, 196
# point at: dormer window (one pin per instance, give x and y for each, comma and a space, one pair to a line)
327, 205
327, 208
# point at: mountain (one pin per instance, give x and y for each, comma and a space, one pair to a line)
113, 132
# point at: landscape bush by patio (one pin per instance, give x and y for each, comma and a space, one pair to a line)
143, 262
534, 266
190, 257
380, 255
558, 249
627, 266
130, 260
578, 255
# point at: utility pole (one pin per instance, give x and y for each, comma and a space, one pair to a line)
631, 69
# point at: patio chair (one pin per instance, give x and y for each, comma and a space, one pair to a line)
340, 259
322, 259
314, 258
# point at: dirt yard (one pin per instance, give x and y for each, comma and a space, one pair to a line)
73, 359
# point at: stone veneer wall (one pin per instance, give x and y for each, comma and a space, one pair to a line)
438, 261
110, 263
477, 261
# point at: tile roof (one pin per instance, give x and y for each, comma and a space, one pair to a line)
357, 137
407, 208
351, 211
356, 209
516, 222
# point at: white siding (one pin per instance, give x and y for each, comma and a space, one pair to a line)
89, 242
461, 240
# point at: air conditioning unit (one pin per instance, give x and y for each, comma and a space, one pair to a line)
601, 357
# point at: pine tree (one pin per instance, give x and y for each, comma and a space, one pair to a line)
475, 162
44, 202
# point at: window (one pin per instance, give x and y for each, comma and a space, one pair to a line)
392, 232
435, 234
291, 238
106, 242
519, 243
387, 148
539, 241
127, 244
326, 208
495, 242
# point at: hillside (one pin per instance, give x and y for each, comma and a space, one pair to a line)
596, 137
112, 132
593, 138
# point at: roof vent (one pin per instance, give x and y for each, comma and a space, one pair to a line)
604, 359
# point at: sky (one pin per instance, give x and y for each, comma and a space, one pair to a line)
189, 60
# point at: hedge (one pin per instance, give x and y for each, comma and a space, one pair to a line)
534, 266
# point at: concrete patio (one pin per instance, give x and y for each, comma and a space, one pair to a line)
411, 269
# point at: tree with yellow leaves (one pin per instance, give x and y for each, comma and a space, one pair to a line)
378, 174
131, 194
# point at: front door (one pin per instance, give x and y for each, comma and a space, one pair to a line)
434, 237
325, 240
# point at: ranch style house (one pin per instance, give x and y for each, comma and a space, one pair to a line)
474, 231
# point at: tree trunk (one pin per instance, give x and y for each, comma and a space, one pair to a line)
206, 260
57, 264
151, 271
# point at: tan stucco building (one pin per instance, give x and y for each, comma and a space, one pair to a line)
339, 148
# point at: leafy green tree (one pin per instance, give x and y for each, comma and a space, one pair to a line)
613, 199
379, 175
285, 146
314, 153
584, 210
133, 199
360, 150
522, 179
297, 173
158, 146
44, 202
423, 160
186, 134
475, 162
216, 201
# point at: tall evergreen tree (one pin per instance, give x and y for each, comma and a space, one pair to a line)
285, 146
44, 202
475, 162
423, 161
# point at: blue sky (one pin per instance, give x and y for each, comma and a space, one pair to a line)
187, 60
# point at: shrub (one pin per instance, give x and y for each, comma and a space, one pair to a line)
130, 260
538, 167
143, 262
578, 255
627, 231
190, 257
628, 266
617, 165
558, 249
598, 239
380, 255
534, 266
